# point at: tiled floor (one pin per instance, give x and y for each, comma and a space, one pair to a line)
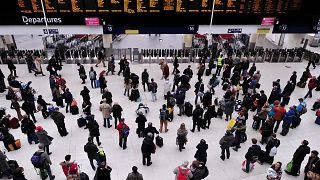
167, 157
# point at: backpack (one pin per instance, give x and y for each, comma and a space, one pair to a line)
92, 75
73, 169
182, 175
206, 172
125, 130
163, 114
37, 160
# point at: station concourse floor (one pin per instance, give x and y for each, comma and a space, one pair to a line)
168, 157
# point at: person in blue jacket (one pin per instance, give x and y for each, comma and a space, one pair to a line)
287, 120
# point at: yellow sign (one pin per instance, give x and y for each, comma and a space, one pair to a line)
130, 31
263, 30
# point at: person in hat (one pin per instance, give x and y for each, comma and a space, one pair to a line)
44, 138
106, 112
183, 170
147, 148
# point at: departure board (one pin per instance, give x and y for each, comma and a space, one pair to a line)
295, 5
25, 6
232, 6
77, 6
102, 6
36, 6
206, 6
256, 6
194, 5
282, 6
245, 6
219, 6
116, 6
64, 6
51, 6
181, 5
168, 5
270, 6
142, 6
90, 5
154, 6
130, 6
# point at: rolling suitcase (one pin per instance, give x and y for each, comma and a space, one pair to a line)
208, 72
14, 123
188, 108
74, 110
159, 141
81, 122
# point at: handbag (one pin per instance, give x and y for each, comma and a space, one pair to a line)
289, 166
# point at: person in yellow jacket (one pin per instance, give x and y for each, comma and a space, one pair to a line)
219, 65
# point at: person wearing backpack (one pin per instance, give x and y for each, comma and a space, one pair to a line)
153, 89
93, 77
41, 160
252, 154
182, 172
44, 138
70, 168
163, 118
28, 127
91, 149
123, 134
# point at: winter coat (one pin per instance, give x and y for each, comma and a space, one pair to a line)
111, 65
38, 62
43, 137
116, 109
289, 116
92, 75
182, 169
127, 86
166, 87
199, 87
148, 146
141, 121
105, 109
93, 127
210, 113
279, 113
28, 107
226, 141
27, 126
108, 96
145, 76
3, 162
103, 82
91, 149
267, 128
180, 97
120, 127
198, 172
262, 100
229, 107
207, 99
166, 70
103, 173
42, 103
150, 129
134, 176
57, 117
182, 136
68, 97
201, 154
257, 76
300, 154
272, 143
254, 150
85, 94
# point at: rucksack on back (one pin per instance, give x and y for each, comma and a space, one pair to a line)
37, 160
92, 75
182, 175
125, 131
163, 114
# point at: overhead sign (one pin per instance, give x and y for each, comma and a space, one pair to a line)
235, 30
93, 21
268, 21
51, 31
263, 30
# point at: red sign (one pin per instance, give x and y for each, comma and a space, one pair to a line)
93, 21
268, 21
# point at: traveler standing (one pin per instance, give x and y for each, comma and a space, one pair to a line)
93, 77
92, 152
82, 73
28, 107
122, 65
180, 97
86, 107
313, 164
38, 69
141, 121
271, 150
46, 162
145, 79
150, 129
103, 172
106, 112
42, 106
176, 80
93, 127
279, 114
58, 119
183, 172
147, 148
100, 58
197, 118
111, 65
201, 71
225, 143
12, 68
117, 112
44, 138
134, 175
123, 134
219, 65
165, 71
252, 154
127, 86
163, 118
188, 71
298, 157
85, 94
266, 131
229, 108
201, 154
16, 106
311, 85
28, 127
175, 65
103, 83
199, 90
68, 98
153, 88
287, 121
182, 136
166, 88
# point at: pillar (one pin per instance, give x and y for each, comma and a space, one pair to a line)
187, 41
107, 44
252, 41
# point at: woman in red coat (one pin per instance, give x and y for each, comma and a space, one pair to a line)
123, 133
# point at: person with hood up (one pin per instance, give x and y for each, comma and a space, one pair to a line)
123, 134
183, 171
106, 113
58, 119
147, 148
201, 154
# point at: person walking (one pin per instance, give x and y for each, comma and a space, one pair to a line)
311, 85
153, 86
92, 152
182, 136
42, 106
122, 65
225, 143
111, 65
298, 157
275, 171
201, 70
201, 154
252, 154
93, 127
46, 162
175, 65
134, 175
68, 98
183, 172
147, 148
28, 127
141, 121
312, 60
199, 90
103, 172
123, 134
93, 77
58, 119
127, 86
313, 164
106, 113
145, 79
100, 58
163, 118
58, 96
117, 113
82, 73
197, 118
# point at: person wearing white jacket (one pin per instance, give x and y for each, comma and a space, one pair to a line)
166, 87
274, 172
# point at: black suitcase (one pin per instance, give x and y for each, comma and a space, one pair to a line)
188, 108
208, 72
159, 141
13, 165
81, 122
301, 84
74, 110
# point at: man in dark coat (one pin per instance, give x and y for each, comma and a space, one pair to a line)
252, 154
93, 127
141, 121
68, 99
92, 151
261, 100
145, 79
28, 107
2, 83
199, 90
188, 71
298, 157
180, 97
150, 129
197, 118
313, 164
58, 119
225, 143
201, 154
147, 148
43, 106
207, 99
266, 131
12, 68
116, 109
28, 127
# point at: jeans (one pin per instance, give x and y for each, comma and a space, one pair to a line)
96, 157
106, 120
309, 93
153, 97
123, 142
146, 157
93, 83
223, 151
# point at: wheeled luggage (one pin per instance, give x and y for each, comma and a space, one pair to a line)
159, 141
81, 122
188, 108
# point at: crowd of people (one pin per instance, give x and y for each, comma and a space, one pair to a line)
240, 82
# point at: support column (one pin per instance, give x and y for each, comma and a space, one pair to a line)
187, 41
252, 41
107, 44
